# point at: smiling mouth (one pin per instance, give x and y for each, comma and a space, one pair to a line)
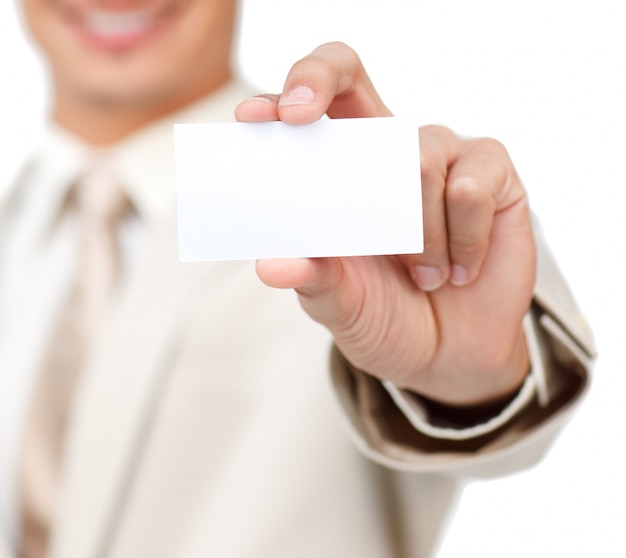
121, 29
107, 24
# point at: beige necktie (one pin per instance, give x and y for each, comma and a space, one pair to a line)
100, 205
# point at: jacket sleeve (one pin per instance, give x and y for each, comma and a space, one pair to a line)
400, 430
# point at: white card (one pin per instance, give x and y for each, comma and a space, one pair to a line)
344, 187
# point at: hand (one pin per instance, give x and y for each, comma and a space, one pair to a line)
446, 323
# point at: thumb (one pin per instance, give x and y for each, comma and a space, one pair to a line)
319, 283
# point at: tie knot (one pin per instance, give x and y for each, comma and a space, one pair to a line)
100, 197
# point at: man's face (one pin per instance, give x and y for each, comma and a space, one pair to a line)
133, 52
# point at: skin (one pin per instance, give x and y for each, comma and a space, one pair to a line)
445, 323
105, 90
453, 334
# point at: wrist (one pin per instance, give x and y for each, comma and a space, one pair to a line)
488, 383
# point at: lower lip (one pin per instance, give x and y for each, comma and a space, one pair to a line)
118, 42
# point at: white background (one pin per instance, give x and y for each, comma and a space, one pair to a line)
548, 78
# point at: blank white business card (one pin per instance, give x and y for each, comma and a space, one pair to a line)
346, 187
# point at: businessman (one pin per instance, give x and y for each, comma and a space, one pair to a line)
152, 408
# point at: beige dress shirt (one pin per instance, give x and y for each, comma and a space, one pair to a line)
206, 423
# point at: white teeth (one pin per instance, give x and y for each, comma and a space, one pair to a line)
111, 24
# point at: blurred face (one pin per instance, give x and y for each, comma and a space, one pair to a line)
133, 53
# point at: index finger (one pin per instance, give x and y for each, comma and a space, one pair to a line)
331, 80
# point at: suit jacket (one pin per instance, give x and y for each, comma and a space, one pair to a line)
206, 424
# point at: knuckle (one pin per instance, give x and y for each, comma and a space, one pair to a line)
466, 247
467, 192
338, 52
492, 146
343, 49
334, 45
436, 130
313, 64
434, 240
432, 138
428, 166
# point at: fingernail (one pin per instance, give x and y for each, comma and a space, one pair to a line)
299, 95
459, 275
428, 278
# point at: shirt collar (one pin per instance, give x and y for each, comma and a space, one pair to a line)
143, 162
57, 164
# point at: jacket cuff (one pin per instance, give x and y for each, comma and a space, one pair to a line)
439, 421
